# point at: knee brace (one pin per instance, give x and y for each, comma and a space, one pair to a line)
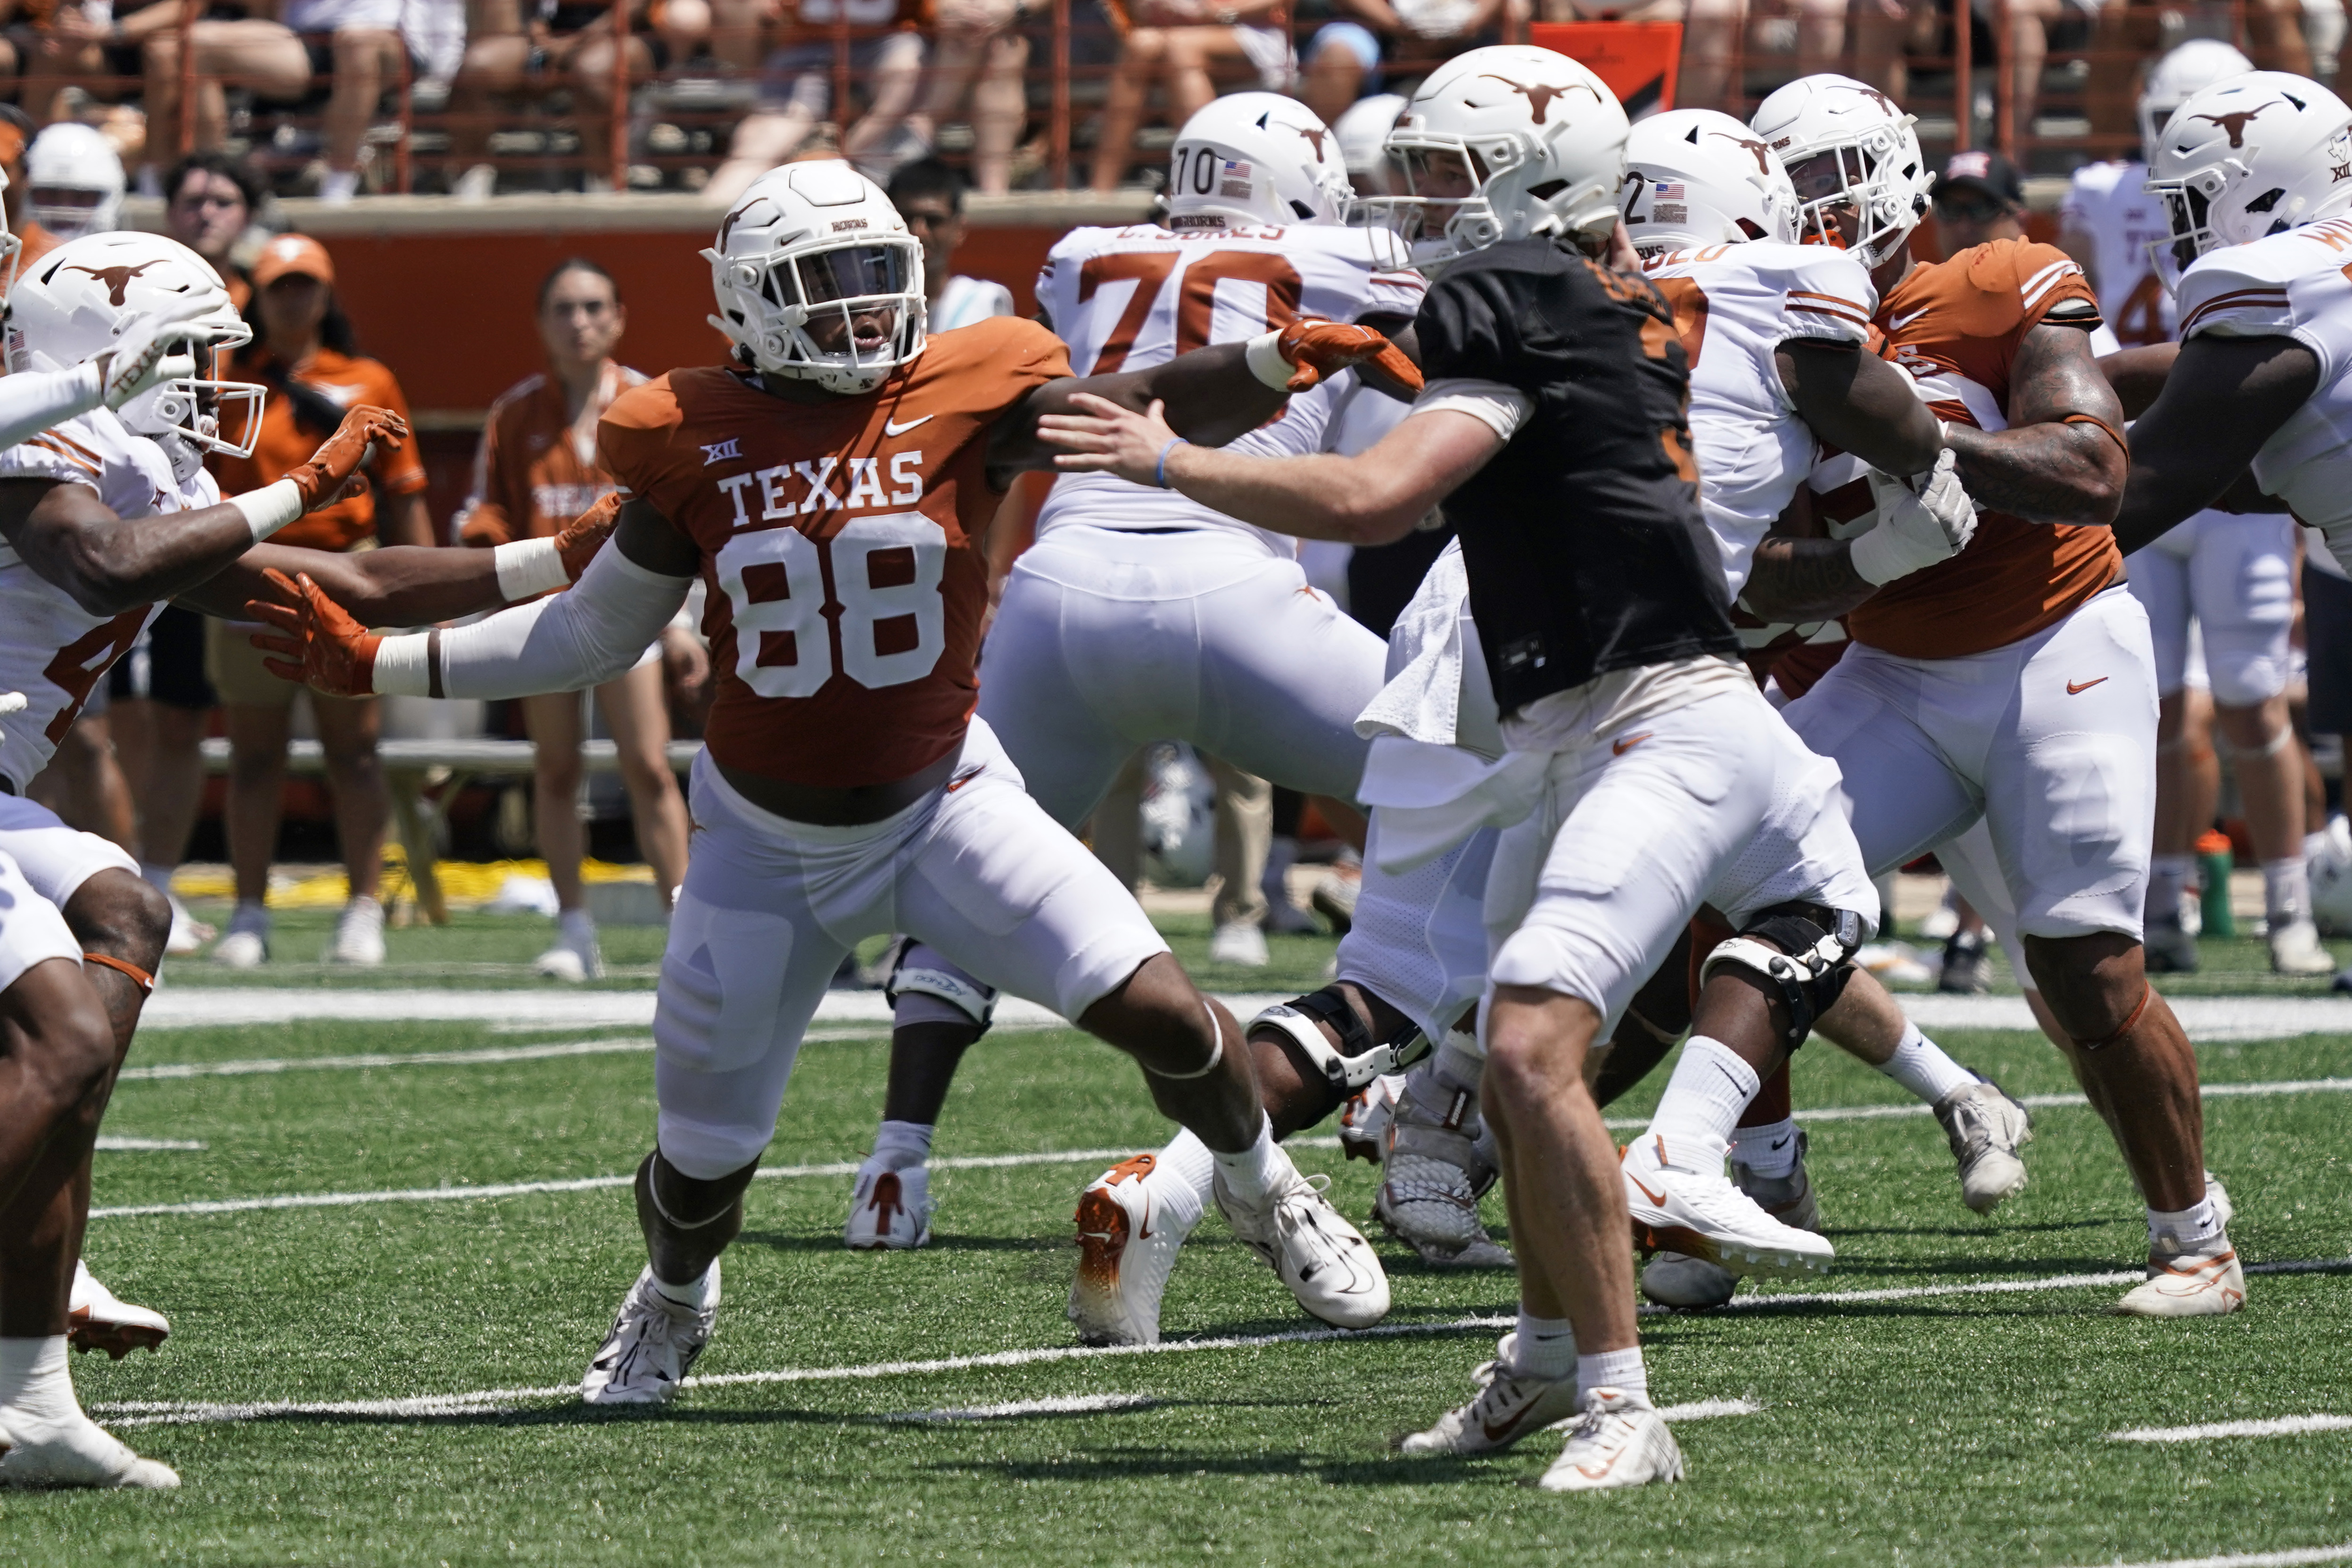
1359, 1059
936, 995
1806, 952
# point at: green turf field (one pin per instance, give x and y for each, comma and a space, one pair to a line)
1966, 1426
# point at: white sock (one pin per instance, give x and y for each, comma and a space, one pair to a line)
2286, 891
340, 185
1187, 1160
2168, 884
251, 914
1920, 1066
1250, 1175
1546, 1347
1769, 1150
1710, 1089
2195, 1230
36, 1393
1620, 1370
900, 1145
694, 1295
576, 925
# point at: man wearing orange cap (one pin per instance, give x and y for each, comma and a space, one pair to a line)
304, 352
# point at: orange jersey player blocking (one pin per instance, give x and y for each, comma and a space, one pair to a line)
2014, 684
831, 487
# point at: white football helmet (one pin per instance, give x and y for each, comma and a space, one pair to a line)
1363, 133
80, 297
1544, 140
818, 241
2187, 70
73, 181
1880, 173
2254, 154
1255, 157
1694, 176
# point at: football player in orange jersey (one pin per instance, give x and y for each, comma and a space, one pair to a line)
832, 486
2015, 683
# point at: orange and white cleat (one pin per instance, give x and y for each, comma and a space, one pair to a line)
891, 1211
96, 1320
1619, 1441
1131, 1221
2185, 1285
1679, 1201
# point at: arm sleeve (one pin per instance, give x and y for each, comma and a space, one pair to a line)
573, 640
32, 401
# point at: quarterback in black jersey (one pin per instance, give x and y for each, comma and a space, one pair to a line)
1643, 767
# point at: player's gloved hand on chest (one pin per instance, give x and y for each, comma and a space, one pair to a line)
1316, 350
320, 644
156, 349
366, 432
585, 534
1921, 520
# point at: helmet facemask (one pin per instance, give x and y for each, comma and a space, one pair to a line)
827, 294
188, 417
1857, 179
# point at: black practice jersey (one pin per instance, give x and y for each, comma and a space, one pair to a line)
1582, 538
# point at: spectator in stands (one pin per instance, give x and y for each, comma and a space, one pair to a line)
356, 47
161, 701
979, 53
304, 352
81, 45
1713, 39
539, 46
534, 472
73, 181
1183, 45
1886, 33
929, 197
254, 52
1980, 197
1343, 58
886, 54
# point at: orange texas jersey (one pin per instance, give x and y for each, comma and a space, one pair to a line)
841, 542
1955, 326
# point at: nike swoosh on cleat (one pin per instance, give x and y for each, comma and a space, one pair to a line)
2074, 690
1646, 1192
892, 427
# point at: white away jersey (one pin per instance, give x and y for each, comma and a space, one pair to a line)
1734, 306
52, 649
2105, 202
2292, 285
1127, 298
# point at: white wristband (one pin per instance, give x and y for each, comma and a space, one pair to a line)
1264, 359
400, 665
528, 568
271, 507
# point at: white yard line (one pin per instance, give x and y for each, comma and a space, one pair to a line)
2294, 1558
108, 1140
2279, 1427
148, 1413
1065, 1404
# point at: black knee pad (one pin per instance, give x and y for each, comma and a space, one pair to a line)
1359, 1059
1805, 951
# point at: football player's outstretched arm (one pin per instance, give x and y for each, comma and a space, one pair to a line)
1376, 497
410, 585
110, 564
574, 640
2062, 458
2225, 398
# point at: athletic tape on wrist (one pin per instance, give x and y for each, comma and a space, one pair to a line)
271, 507
528, 568
402, 666
1264, 357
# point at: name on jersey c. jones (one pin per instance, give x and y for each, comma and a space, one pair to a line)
798, 489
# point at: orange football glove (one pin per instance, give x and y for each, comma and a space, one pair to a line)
1322, 349
585, 534
365, 431
322, 647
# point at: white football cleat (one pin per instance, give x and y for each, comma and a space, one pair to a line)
1326, 1261
247, 946
2225, 1211
1433, 1176
96, 1320
1334, 896
2183, 1286
576, 957
1986, 1128
1678, 1208
2296, 950
82, 1455
1240, 943
1364, 1120
1131, 1221
1507, 1408
1621, 1441
359, 935
652, 1346
1676, 1279
891, 1211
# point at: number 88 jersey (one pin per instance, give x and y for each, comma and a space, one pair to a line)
842, 546
1127, 298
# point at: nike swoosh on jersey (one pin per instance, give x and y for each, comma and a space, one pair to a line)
1896, 323
1619, 747
964, 778
2076, 689
892, 427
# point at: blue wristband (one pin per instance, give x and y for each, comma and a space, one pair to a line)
1161, 478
